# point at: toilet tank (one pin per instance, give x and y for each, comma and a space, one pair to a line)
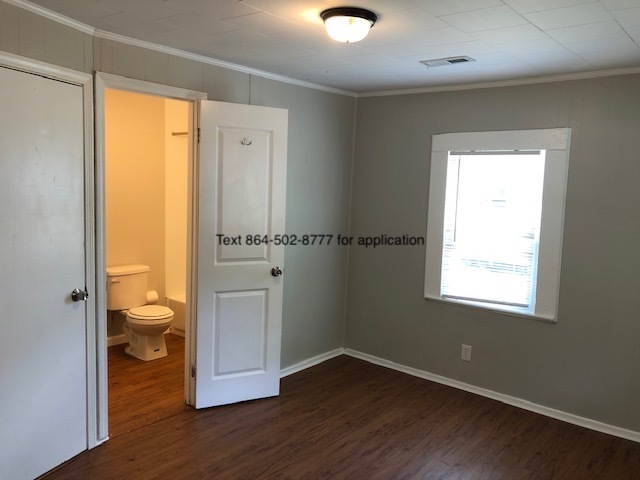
127, 286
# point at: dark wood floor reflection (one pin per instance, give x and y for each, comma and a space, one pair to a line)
347, 419
143, 393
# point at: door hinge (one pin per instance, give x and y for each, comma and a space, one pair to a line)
193, 371
198, 134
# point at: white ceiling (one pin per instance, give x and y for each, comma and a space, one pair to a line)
509, 39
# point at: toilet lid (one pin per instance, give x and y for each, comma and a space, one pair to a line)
150, 312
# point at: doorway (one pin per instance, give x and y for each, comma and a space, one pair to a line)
145, 199
240, 148
146, 211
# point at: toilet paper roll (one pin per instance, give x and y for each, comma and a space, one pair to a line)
152, 297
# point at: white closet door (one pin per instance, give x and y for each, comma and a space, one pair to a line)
43, 386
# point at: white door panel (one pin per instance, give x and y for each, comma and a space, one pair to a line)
244, 186
43, 400
241, 194
240, 354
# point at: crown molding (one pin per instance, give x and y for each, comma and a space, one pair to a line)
218, 63
82, 27
504, 83
56, 17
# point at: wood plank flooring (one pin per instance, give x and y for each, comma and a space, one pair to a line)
142, 393
347, 419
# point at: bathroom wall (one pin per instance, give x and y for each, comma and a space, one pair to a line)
135, 183
146, 189
176, 196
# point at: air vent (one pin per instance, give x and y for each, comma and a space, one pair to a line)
441, 62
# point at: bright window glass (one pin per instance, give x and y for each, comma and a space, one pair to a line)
492, 211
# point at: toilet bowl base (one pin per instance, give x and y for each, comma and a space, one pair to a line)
146, 347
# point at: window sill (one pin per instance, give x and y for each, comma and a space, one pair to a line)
487, 308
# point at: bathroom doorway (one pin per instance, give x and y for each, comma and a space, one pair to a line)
260, 134
148, 161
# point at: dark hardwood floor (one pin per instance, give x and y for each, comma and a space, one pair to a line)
347, 419
142, 393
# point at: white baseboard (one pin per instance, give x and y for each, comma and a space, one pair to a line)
310, 362
122, 338
117, 340
514, 401
176, 331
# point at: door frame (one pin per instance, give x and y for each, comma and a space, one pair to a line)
104, 81
85, 81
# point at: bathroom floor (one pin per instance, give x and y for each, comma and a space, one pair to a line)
143, 393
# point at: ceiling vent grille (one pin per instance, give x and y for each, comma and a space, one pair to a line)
441, 62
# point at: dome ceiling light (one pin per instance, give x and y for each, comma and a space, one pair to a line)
348, 24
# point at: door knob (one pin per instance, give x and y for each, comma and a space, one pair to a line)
276, 271
78, 295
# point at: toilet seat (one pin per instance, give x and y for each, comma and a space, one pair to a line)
149, 314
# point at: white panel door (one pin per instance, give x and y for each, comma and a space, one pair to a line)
43, 387
241, 210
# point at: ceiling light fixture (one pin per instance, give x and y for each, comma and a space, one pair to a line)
348, 24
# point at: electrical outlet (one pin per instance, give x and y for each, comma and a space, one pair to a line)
466, 353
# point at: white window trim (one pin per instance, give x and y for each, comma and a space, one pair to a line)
556, 142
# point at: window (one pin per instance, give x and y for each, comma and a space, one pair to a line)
496, 208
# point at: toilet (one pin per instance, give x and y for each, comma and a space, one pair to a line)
144, 324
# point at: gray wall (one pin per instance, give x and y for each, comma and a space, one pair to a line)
24, 33
320, 155
318, 193
588, 363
